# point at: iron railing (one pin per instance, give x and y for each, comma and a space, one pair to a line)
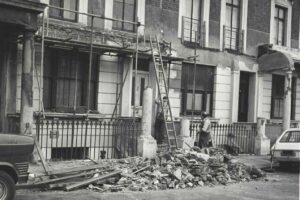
75, 138
193, 32
233, 39
236, 138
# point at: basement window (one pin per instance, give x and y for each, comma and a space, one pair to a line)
68, 153
62, 13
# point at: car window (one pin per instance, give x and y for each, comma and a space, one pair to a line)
291, 136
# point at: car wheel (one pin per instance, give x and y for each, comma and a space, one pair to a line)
7, 186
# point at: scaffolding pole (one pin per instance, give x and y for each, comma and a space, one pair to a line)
135, 66
194, 78
90, 66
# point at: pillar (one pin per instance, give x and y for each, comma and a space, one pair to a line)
184, 140
287, 101
26, 118
235, 87
262, 143
147, 145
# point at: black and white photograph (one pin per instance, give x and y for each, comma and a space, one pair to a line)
149, 99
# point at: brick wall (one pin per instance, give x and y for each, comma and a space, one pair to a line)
259, 13
295, 25
166, 4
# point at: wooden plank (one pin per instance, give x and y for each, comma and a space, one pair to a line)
44, 163
75, 169
91, 180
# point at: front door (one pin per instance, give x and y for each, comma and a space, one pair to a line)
243, 97
138, 91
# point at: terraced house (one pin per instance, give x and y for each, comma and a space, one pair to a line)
94, 58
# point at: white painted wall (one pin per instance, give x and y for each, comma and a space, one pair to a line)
108, 81
222, 94
297, 106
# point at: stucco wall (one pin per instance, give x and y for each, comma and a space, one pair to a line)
222, 94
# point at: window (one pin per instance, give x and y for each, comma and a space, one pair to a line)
62, 14
191, 21
290, 137
232, 25
124, 10
66, 81
280, 25
278, 96
204, 82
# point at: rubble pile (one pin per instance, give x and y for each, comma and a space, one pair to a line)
179, 169
169, 170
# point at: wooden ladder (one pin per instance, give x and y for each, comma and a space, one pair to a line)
163, 93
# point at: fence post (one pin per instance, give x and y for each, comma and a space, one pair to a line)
262, 143
147, 145
184, 140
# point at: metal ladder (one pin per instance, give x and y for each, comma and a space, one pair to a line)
163, 93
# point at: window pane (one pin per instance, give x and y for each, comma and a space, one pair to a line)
280, 32
208, 103
228, 16
189, 101
129, 15
52, 11
235, 17
70, 5
198, 101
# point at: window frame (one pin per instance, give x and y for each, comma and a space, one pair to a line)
54, 78
277, 19
185, 91
281, 97
122, 28
61, 11
231, 28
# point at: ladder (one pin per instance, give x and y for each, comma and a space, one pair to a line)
163, 93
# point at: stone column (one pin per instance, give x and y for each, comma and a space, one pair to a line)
235, 87
287, 101
262, 143
147, 145
184, 140
26, 118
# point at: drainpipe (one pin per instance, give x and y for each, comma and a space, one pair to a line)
287, 101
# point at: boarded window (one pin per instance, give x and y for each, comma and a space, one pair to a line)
66, 81
204, 84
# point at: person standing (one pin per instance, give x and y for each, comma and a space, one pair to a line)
205, 137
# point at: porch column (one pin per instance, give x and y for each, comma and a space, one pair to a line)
287, 101
26, 118
146, 143
235, 87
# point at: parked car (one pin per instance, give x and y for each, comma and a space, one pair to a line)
286, 149
14, 158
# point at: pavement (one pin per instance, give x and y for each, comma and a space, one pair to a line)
279, 185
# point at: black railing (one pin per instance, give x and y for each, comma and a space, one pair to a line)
237, 138
193, 32
233, 39
75, 138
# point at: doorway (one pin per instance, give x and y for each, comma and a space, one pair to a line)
243, 97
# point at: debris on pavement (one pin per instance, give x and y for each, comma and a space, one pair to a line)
169, 170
